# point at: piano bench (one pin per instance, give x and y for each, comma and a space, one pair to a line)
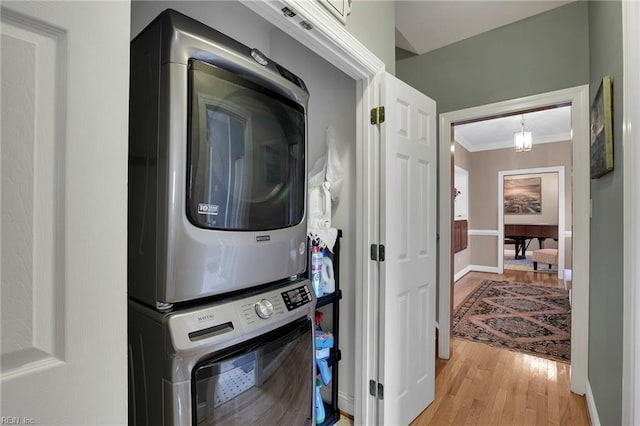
548, 256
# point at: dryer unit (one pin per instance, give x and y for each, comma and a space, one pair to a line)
217, 165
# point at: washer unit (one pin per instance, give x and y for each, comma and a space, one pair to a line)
243, 360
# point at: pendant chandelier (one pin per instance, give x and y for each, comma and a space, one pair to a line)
522, 139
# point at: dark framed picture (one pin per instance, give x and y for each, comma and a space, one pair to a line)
522, 195
602, 130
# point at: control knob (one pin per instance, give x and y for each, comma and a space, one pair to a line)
264, 308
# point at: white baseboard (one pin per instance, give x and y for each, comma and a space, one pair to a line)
462, 273
483, 268
476, 268
346, 403
591, 406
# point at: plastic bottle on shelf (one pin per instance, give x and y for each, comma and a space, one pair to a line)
316, 270
320, 414
327, 278
325, 371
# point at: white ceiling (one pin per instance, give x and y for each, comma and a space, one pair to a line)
425, 25
551, 125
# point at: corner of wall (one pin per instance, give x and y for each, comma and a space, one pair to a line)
346, 403
591, 406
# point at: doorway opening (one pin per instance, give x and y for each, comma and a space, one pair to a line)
577, 99
532, 220
515, 205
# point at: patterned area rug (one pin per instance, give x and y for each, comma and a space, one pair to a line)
523, 317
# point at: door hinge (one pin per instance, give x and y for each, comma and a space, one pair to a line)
376, 252
377, 115
376, 389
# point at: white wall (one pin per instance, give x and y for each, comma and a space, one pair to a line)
228, 17
332, 102
461, 202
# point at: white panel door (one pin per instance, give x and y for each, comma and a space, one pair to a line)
408, 272
63, 169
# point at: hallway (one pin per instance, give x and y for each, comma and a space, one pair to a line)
483, 385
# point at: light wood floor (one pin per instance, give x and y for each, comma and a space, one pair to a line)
482, 385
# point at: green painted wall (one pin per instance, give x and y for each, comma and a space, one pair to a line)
606, 282
546, 52
373, 24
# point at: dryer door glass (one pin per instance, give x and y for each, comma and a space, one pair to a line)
246, 157
265, 381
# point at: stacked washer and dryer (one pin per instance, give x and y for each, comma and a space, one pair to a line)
220, 310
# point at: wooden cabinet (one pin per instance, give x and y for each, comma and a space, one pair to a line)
460, 232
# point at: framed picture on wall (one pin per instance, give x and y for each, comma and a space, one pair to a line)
522, 195
602, 130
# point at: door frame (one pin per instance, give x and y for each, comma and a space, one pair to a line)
561, 211
329, 39
631, 239
578, 97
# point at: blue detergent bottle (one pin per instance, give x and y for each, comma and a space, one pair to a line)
320, 414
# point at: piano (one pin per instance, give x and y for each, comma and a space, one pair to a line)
522, 235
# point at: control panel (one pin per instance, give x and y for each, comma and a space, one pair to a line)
271, 304
297, 297
222, 321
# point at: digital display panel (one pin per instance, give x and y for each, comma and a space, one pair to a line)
296, 297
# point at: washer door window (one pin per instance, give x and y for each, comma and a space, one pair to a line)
246, 153
265, 381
